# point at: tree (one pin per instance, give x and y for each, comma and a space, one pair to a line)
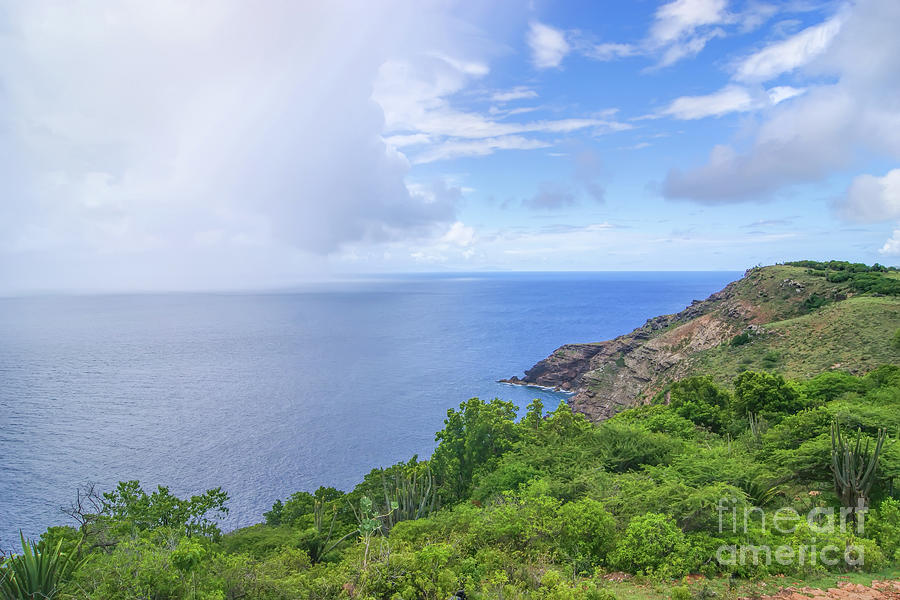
700, 400
478, 433
129, 508
765, 394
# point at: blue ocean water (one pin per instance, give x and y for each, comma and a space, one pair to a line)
267, 394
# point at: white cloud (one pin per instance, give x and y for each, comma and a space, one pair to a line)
459, 234
730, 99
681, 18
790, 54
872, 199
610, 51
456, 148
892, 245
783, 92
689, 47
682, 28
415, 96
548, 45
825, 129
517, 93
727, 100
167, 144
401, 141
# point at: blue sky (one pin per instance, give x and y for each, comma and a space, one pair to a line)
192, 146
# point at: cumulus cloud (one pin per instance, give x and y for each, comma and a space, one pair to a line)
202, 143
827, 128
548, 45
892, 245
872, 199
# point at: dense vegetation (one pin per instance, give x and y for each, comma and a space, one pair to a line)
534, 507
860, 277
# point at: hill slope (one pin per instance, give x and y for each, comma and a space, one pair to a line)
791, 319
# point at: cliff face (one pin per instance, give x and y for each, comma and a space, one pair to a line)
609, 376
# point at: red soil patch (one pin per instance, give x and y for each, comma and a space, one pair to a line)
879, 590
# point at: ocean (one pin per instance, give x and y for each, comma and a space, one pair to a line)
265, 394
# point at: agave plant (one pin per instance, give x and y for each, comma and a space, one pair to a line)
34, 574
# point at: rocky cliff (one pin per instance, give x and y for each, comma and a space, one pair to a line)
775, 306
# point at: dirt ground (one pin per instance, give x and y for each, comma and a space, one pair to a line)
879, 590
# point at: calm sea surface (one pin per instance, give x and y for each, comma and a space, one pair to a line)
267, 394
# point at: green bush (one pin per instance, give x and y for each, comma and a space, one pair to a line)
883, 525
766, 394
740, 339
652, 545
624, 448
681, 592
700, 400
588, 531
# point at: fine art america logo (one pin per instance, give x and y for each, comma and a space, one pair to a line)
818, 539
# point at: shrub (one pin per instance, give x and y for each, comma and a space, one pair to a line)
653, 545
814, 302
34, 573
740, 339
680, 592
765, 394
588, 530
883, 525
624, 448
700, 400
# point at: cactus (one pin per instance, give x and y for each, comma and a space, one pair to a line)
854, 470
757, 427
412, 491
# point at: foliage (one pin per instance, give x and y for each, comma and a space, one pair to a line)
765, 394
129, 508
588, 531
700, 400
531, 509
884, 526
740, 339
652, 544
34, 573
474, 436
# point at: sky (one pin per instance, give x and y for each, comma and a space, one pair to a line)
174, 145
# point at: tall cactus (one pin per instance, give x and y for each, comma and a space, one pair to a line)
413, 492
854, 470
